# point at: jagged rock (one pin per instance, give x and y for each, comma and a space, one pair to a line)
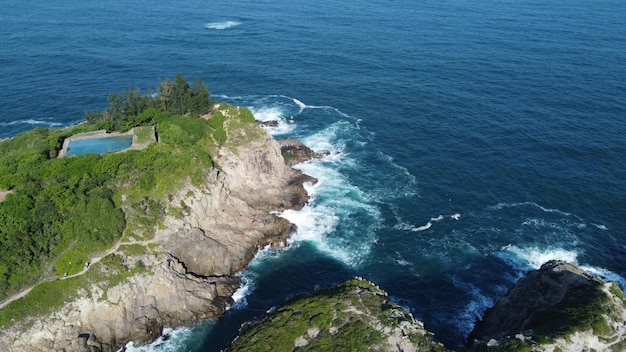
555, 305
272, 123
295, 152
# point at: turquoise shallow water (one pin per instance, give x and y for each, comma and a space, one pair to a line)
469, 142
98, 145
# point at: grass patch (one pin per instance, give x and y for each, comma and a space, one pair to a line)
617, 291
144, 134
48, 297
133, 250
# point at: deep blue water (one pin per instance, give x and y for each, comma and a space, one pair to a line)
98, 145
470, 141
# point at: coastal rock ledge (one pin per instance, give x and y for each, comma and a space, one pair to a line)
189, 272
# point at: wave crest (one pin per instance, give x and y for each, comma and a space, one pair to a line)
222, 25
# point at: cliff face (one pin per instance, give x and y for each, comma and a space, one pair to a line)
557, 306
188, 274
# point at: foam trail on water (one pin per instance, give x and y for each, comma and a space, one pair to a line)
300, 104
222, 25
605, 274
303, 106
423, 227
403, 226
500, 206
33, 122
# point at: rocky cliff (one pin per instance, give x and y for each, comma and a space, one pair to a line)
558, 307
187, 271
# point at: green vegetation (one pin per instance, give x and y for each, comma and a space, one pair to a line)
615, 289
144, 134
128, 109
62, 211
582, 310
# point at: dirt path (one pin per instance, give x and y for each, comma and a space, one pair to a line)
92, 260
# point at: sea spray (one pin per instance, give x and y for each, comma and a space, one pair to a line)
174, 340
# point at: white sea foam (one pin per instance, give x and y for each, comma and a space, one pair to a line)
339, 219
303, 106
274, 113
423, 227
403, 226
222, 25
605, 274
601, 227
172, 340
329, 140
266, 113
528, 258
300, 104
34, 122
313, 221
248, 284
438, 218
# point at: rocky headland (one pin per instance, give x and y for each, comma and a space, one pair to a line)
189, 272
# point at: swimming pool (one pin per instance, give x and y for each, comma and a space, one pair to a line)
100, 145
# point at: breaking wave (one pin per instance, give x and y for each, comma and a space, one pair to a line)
222, 25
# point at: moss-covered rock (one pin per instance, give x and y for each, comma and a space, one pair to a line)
353, 316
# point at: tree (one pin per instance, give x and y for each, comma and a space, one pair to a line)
201, 102
181, 97
165, 92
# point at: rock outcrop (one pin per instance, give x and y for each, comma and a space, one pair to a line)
558, 306
189, 272
295, 152
354, 316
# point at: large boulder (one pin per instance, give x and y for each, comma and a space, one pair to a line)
550, 306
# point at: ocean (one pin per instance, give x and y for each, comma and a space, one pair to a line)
469, 141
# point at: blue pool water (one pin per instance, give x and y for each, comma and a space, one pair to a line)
510, 114
99, 145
